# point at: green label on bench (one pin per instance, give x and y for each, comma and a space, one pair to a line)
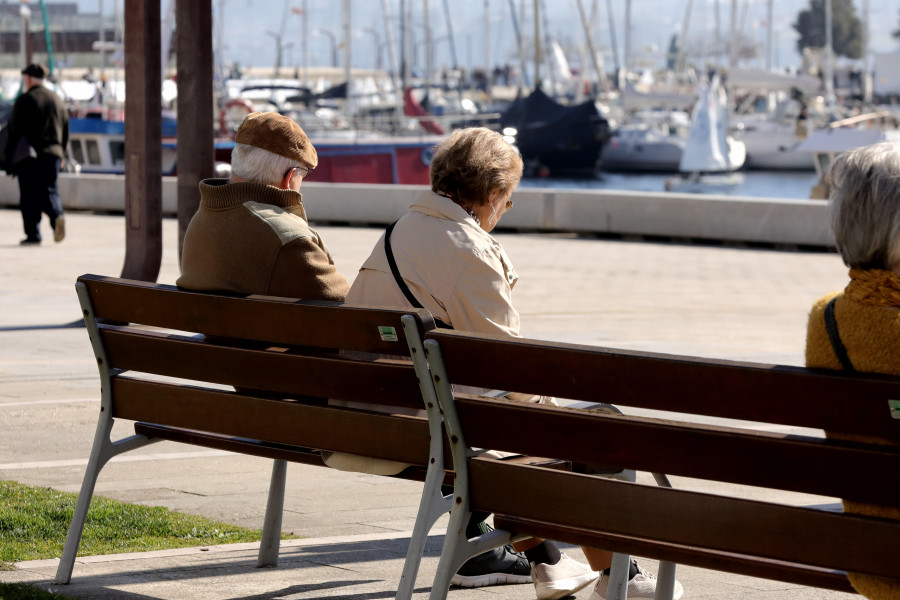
895, 408
388, 334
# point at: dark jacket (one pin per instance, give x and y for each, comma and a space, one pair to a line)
41, 117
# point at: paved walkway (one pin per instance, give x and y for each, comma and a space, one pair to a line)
712, 301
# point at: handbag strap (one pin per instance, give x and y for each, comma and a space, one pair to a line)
399, 279
836, 344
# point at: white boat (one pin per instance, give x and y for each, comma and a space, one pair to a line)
825, 144
772, 138
710, 152
654, 143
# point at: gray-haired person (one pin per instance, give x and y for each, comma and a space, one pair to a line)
250, 234
858, 329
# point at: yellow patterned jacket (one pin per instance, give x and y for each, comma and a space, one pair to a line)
871, 335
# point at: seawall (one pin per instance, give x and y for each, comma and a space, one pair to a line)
603, 212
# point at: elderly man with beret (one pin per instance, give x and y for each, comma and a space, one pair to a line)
250, 234
41, 118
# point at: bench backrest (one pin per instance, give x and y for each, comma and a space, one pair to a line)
170, 356
686, 526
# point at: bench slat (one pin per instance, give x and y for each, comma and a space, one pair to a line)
380, 435
826, 540
276, 320
699, 557
829, 400
786, 462
250, 447
239, 445
378, 381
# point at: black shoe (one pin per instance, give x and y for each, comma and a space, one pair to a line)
29, 242
494, 567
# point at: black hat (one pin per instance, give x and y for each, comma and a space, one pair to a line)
36, 70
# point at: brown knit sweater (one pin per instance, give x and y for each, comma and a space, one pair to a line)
251, 238
871, 335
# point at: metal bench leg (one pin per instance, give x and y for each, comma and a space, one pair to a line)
665, 581
432, 506
433, 503
458, 549
665, 576
618, 577
271, 535
102, 450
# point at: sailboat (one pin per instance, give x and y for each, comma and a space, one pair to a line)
710, 155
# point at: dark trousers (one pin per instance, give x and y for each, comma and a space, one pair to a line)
38, 192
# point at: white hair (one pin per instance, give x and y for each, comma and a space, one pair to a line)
865, 206
259, 166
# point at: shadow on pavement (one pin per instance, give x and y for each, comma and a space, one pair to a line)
72, 325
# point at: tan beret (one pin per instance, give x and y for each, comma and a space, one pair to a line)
277, 134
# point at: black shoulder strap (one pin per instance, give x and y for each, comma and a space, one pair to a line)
836, 344
396, 273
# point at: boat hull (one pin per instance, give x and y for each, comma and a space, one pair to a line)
557, 140
775, 149
642, 155
99, 147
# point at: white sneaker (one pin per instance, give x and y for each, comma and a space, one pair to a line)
562, 579
642, 585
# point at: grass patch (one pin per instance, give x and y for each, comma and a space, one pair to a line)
22, 591
34, 522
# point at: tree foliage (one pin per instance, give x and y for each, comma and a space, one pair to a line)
847, 29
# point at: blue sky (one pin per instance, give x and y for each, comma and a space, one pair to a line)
246, 23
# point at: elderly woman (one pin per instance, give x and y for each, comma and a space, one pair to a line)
865, 217
441, 256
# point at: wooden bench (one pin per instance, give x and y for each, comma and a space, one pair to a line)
787, 540
170, 360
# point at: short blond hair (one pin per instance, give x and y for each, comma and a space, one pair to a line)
865, 206
474, 163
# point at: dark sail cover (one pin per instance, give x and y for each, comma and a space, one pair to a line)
567, 140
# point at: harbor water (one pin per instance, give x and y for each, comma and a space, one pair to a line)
794, 185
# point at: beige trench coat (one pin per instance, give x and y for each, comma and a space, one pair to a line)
455, 269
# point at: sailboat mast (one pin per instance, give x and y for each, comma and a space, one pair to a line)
166, 44
403, 54
537, 43
866, 25
429, 66
770, 17
449, 20
389, 32
488, 68
612, 35
628, 58
732, 47
348, 109
829, 53
548, 54
521, 45
682, 43
719, 47
595, 57
305, 10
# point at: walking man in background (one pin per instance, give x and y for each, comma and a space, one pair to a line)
40, 116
